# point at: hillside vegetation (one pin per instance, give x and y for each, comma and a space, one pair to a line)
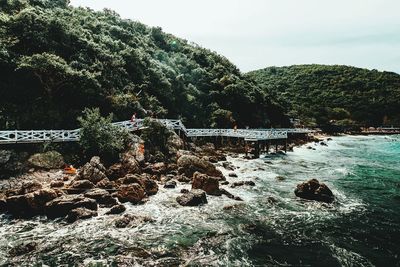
334, 95
57, 60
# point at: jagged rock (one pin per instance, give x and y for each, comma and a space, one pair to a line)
212, 159
81, 185
133, 193
271, 200
184, 191
105, 184
314, 190
280, 178
228, 166
224, 183
232, 174
209, 184
101, 196
229, 195
30, 204
156, 168
131, 220
183, 179
170, 184
241, 183
93, 171
57, 184
29, 187
48, 160
129, 163
80, 214
195, 197
148, 184
190, 164
61, 206
23, 248
172, 167
323, 144
116, 209
175, 142
115, 172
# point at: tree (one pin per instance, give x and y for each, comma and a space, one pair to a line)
52, 71
222, 118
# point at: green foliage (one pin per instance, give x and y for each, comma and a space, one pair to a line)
222, 118
98, 137
155, 136
339, 95
57, 60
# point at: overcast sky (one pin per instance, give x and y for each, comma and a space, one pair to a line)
255, 34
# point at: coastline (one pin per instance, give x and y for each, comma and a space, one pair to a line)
161, 231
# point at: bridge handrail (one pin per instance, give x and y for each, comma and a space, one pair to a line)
35, 136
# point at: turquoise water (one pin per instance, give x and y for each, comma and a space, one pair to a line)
271, 227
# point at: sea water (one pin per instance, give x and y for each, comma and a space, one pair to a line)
270, 227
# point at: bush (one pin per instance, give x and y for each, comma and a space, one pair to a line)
98, 137
155, 136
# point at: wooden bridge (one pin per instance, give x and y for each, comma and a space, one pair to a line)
40, 136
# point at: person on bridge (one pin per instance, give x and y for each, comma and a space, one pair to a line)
133, 118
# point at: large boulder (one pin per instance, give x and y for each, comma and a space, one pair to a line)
156, 168
61, 206
81, 185
145, 181
207, 183
30, 204
189, 164
80, 214
174, 144
48, 160
195, 197
314, 190
128, 165
133, 193
115, 171
105, 184
102, 197
117, 209
29, 187
93, 171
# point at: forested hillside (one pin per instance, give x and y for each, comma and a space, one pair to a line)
55, 60
334, 95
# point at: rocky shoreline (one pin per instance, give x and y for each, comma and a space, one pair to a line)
97, 189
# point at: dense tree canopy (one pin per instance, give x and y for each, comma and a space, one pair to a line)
338, 95
57, 60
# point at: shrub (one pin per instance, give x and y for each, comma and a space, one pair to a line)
98, 137
155, 136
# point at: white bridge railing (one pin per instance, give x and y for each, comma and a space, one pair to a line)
39, 136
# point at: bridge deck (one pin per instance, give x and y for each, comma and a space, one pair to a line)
40, 136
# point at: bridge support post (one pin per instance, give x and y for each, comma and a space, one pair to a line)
276, 147
267, 147
285, 146
257, 150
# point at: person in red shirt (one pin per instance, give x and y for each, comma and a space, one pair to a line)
133, 118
